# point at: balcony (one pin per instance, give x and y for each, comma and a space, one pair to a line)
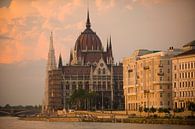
146, 67
130, 70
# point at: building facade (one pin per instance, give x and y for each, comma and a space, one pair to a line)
90, 68
147, 79
183, 68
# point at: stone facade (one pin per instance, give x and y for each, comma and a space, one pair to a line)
183, 68
147, 79
90, 68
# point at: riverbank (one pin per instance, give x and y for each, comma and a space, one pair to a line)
114, 120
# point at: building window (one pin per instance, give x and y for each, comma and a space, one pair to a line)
104, 71
168, 62
169, 95
168, 103
192, 83
161, 103
175, 76
160, 94
99, 71
174, 84
175, 67
168, 70
161, 78
67, 87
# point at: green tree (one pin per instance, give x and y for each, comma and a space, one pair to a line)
79, 98
191, 107
140, 110
153, 110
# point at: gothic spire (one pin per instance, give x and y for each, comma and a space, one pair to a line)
107, 45
88, 24
110, 44
60, 61
51, 63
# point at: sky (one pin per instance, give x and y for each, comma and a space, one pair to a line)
25, 27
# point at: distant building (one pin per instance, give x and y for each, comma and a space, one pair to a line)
147, 79
90, 68
183, 68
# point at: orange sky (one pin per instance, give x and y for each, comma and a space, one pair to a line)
25, 25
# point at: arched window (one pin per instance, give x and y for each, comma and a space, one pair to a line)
104, 71
99, 71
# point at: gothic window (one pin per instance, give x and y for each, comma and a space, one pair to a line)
73, 86
99, 85
87, 85
99, 71
80, 85
104, 71
67, 87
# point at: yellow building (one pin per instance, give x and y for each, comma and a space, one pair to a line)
183, 67
147, 79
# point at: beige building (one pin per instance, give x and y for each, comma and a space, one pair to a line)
183, 67
147, 79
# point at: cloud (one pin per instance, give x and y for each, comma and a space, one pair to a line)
42, 47
5, 3
4, 37
104, 5
13, 51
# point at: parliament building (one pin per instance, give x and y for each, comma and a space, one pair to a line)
90, 68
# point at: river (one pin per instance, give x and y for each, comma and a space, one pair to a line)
14, 123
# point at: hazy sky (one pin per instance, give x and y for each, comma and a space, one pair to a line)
25, 27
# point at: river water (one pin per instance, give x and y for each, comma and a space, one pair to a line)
14, 123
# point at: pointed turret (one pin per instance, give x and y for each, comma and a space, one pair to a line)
60, 62
88, 24
107, 46
110, 46
51, 63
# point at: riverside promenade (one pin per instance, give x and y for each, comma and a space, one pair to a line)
115, 117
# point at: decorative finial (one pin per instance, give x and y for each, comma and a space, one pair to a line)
88, 24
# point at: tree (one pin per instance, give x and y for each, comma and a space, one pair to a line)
191, 107
152, 109
79, 98
140, 110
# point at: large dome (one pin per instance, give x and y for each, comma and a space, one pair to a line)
88, 40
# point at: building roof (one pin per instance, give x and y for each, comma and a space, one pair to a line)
186, 53
88, 40
192, 43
